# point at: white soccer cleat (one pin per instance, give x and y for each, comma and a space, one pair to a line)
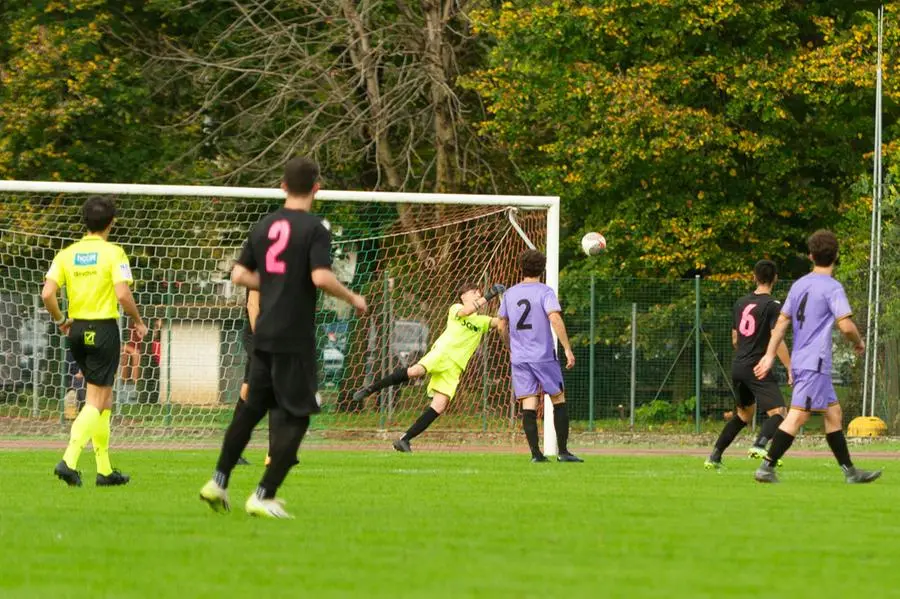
215, 496
266, 508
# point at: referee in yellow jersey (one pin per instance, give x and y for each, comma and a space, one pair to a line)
97, 276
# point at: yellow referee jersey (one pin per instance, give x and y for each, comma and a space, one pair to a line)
90, 269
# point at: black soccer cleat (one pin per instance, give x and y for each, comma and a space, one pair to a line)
361, 393
242, 461
536, 459
568, 457
854, 475
402, 445
113, 479
67, 475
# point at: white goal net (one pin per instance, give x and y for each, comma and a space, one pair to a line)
405, 252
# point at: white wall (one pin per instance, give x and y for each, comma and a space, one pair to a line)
195, 372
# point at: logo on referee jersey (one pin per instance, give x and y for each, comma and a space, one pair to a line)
86, 259
90, 337
125, 271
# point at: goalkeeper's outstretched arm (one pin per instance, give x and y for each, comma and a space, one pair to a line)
472, 307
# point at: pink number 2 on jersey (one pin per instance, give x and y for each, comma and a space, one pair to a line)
279, 232
748, 324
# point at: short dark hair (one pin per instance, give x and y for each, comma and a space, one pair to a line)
765, 272
300, 175
98, 212
823, 247
466, 286
532, 263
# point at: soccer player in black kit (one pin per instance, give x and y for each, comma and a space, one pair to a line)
754, 318
288, 258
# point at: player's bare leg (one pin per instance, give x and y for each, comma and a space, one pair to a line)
561, 424
529, 425
438, 405
398, 377
766, 434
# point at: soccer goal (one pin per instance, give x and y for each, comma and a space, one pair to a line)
406, 252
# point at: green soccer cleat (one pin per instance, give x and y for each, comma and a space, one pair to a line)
711, 464
266, 508
215, 496
757, 453
761, 453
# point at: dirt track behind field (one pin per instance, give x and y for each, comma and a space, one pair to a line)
657, 449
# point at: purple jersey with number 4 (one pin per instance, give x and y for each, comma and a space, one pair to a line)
527, 306
814, 304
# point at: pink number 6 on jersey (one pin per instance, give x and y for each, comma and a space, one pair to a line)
748, 324
279, 232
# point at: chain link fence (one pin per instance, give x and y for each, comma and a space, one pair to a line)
656, 354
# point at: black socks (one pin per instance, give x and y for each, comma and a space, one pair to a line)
781, 442
398, 377
732, 428
424, 421
838, 444
767, 430
561, 424
529, 424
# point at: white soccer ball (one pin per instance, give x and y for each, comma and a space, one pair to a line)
593, 244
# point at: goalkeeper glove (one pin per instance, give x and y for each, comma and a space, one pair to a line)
495, 290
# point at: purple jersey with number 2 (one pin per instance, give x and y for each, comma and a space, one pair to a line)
532, 349
814, 304
527, 307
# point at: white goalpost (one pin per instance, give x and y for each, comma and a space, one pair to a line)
404, 251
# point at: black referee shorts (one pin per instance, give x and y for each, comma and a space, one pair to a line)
750, 390
96, 346
287, 381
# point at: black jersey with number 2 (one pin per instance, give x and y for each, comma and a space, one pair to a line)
755, 316
285, 247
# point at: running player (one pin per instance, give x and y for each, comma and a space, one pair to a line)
816, 301
287, 257
534, 310
754, 316
97, 276
446, 360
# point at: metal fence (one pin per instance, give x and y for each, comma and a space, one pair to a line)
653, 352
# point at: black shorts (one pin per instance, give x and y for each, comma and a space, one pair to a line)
248, 350
95, 345
287, 381
751, 390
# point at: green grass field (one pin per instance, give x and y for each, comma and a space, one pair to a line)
381, 524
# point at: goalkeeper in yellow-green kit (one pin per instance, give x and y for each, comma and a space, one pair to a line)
446, 360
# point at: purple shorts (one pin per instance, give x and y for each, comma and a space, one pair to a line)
535, 378
813, 391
